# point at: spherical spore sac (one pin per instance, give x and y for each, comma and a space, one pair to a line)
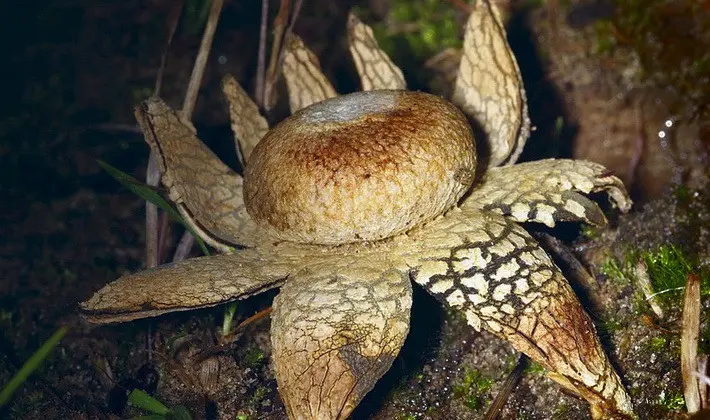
360, 167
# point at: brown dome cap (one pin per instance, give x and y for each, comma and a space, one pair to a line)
360, 167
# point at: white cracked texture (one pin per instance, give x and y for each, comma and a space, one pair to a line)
357, 297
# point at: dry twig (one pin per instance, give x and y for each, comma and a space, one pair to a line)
261, 58
283, 27
644, 282
507, 389
155, 233
198, 70
689, 343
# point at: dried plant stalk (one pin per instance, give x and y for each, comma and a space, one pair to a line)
689, 343
644, 282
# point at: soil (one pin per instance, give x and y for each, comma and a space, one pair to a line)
73, 72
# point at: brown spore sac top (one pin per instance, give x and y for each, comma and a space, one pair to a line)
360, 167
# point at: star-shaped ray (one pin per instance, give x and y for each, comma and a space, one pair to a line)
304, 79
489, 87
494, 272
247, 123
376, 69
547, 191
207, 192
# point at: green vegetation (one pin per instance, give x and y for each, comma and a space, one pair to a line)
415, 31
142, 400
195, 15
613, 271
667, 267
259, 395
149, 194
228, 317
534, 368
31, 365
672, 401
657, 344
254, 357
473, 389
562, 411
425, 26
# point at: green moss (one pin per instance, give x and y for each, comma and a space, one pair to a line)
423, 27
534, 368
657, 344
614, 271
473, 389
668, 269
610, 325
562, 411
254, 357
673, 401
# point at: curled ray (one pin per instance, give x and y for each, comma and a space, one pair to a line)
207, 192
336, 328
248, 125
189, 284
547, 191
494, 272
489, 87
305, 82
376, 69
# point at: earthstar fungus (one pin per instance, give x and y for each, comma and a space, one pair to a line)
351, 198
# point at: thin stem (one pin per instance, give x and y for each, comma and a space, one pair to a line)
289, 31
506, 390
154, 232
184, 247
198, 70
272, 72
173, 20
152, 178
164, 235
228, 317
261, 58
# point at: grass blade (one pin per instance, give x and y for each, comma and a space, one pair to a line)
149, 194
31, 365
141, 399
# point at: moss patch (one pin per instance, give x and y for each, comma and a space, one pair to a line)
473, 389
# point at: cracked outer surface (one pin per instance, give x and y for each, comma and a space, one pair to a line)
335, 332
375, 68
490, 269
306, 83
247, 124
189, 284
343, 311
208, 193
547, 191
489, 86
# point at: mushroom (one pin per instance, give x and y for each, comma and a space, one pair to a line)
360, 167
347, 201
